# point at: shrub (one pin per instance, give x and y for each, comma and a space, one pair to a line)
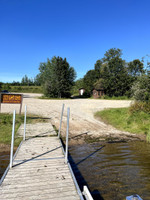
148, 137
141, 89
140, 106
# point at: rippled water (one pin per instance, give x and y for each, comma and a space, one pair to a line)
4, 161
113, 171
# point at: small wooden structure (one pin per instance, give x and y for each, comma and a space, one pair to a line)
98, 93
81, 91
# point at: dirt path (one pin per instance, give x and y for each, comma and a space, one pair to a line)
82, 114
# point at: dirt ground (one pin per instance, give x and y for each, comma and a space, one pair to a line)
82, 121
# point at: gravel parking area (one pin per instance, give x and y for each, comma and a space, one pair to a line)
81, 114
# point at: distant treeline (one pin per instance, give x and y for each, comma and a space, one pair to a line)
111, 73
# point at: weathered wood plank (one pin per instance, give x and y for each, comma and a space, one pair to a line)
39, 171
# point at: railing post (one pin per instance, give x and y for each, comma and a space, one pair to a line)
25, 116
61, 120
12, 139
67, 135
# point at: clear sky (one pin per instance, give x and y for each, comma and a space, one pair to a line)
80, 30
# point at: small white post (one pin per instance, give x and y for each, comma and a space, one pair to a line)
12, 139
61, 120
86, 193
25, 116
67, 135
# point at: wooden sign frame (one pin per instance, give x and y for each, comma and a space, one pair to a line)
11, 98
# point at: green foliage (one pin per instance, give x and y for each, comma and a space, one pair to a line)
27, 81
135, 68
89, 80
6, 86
97, 67
77, 85
99, 84
123, 119
148, 136
1, 85
141, 88
57, 77
116, 98
6, 126
26, 89
111, 54
138, 106
110, 73
115, 77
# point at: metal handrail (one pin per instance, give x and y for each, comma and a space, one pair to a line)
87, 193
12, 139
61, 120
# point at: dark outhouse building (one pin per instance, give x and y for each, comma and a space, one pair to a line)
98, 93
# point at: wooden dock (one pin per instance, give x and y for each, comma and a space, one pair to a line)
39, 170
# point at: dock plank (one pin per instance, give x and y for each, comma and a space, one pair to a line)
39, 170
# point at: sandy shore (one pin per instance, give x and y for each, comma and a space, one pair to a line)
81, 114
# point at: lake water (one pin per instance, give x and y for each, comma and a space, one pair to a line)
113, 171
4, 161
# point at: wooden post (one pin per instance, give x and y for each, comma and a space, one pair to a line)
67, 135
12, 139
21, 104
61, 120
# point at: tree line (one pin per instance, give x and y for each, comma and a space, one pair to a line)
113, 74
110, 73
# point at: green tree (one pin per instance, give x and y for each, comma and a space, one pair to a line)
112, 53
114, 74
97, 67
135, 68
141, 88
99, 84
89, 80
6, 86
1, 86
57, 77
77, 85
25, 80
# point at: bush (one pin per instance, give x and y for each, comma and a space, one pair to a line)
140, 106
141, 89
148, 137
115, 98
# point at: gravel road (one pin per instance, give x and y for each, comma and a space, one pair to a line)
81, 114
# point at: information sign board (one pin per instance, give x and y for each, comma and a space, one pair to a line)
12, 99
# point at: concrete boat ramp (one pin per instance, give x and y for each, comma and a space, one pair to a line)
39, 170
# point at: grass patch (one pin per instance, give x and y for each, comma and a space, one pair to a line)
6, 126
123, 119
116, 98
26, 89
50, 98
112, 98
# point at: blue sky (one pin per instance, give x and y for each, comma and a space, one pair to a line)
80, 30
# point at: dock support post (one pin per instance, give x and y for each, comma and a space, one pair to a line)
25, 116
61, 120
12, 139
67, 135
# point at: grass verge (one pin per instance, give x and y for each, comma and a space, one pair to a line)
50, 98
26, 89
6, 126
121, 118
